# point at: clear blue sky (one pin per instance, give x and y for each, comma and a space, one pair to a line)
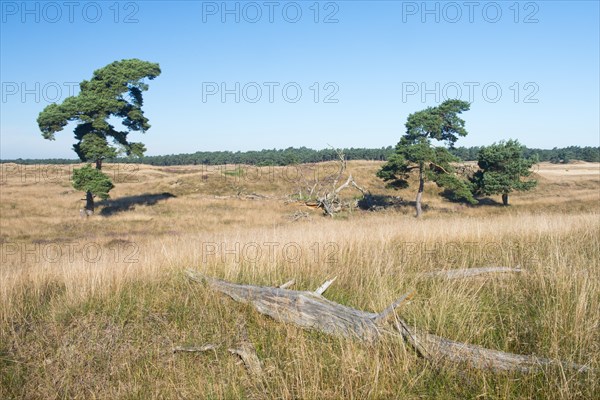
375, 61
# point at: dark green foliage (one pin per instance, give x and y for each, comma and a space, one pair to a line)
114, 91
305, 155
92, 180
415, 151
555, 155
457, 189
440, 123
93, 147
266, 157
502, 166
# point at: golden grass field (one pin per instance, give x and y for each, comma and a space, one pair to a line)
92, 308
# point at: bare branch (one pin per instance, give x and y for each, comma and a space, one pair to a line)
325, 197
382, 316
194, 349
469, 272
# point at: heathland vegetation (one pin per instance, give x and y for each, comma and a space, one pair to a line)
97, 305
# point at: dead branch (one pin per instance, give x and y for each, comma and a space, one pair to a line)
445, 350
469, 272
298, 215
313, 311
194, 349
324, 193
243, 196
392, 307
247, 353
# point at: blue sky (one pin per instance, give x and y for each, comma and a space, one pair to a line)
352, 70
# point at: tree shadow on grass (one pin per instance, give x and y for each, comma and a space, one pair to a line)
486, 201
114, 206
481, 201
381, 202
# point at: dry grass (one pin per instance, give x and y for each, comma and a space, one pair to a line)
92, 308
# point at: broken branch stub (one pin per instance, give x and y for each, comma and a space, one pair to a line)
288, 284
247, 352
392, 307
321, 289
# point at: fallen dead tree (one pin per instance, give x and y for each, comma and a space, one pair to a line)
324, 193
312, 311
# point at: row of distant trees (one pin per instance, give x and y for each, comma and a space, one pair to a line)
302, 155
555, 155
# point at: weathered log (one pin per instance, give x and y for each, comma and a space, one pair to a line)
313, 311
469, 272
439, 348
302, 308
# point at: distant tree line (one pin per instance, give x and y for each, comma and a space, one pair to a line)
287, 156
555, 155
302, 155
277, 157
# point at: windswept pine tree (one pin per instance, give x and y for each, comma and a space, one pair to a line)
114, 91
415, 152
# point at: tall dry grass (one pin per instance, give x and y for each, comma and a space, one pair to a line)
92, 308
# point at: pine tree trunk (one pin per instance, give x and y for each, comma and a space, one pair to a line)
505, 199
99, 164
89, 203
420, 192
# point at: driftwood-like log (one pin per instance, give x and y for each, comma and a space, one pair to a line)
313, 311
301, 308
469, 272
439, 348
